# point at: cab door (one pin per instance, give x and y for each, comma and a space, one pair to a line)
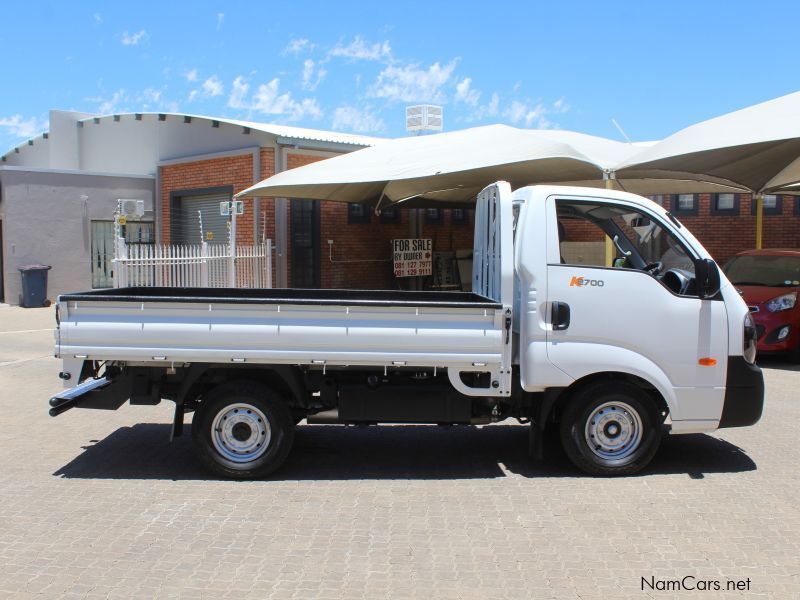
622, 312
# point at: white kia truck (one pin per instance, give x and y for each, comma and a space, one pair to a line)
614, 356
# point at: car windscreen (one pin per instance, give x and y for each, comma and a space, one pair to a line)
776, 271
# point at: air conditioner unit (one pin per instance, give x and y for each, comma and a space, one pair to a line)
424, 117
132, 209
226, 206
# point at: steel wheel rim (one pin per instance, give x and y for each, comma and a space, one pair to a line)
240, 432
614, 431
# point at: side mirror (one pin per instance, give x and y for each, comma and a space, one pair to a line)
707, 278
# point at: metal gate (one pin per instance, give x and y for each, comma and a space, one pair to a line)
193, 265
137, 233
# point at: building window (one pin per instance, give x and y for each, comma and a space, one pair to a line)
725, 204
358, 213
797, 206
458, 216
684, 204
657, 198
434, 216
773, 205
390, 214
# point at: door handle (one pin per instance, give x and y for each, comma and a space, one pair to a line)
560, 316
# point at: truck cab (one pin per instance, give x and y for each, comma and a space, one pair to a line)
632, 312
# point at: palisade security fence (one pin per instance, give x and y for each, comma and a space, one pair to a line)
193, 265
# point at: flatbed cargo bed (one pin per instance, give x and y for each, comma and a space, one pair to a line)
457, 331
319, 297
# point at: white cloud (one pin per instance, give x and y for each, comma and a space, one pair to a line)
466, 94
151, 95
313, 74
239, 90
560, 106
520, 112
110, 105
98, 18
412, 83
193, 94
488, 110
268, 99
19, 127
494, 104
212, 86
192, 75
358, 49
298, 45
534, 114
350, 118
220, 20
149, 99
132, 39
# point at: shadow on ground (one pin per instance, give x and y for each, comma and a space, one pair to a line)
399, 452
776, 361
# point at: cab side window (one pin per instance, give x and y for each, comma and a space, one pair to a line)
581, 242
606, 235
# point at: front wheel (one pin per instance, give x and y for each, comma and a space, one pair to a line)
611, 428
242, 430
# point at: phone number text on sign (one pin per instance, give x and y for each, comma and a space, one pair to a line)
412, 257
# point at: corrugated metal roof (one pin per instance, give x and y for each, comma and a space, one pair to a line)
301, 133
283, 131
287, 131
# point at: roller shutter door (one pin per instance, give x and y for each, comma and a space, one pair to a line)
186, 220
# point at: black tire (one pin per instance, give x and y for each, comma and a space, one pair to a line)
233, 397
625, 429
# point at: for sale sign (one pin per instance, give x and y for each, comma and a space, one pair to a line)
412, 257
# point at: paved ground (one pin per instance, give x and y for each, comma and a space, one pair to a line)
100, 504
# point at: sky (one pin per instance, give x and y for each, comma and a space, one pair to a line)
651, 67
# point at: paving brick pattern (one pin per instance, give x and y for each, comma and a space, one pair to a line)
97, 504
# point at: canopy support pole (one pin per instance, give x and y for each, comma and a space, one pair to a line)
759, 219
608, 179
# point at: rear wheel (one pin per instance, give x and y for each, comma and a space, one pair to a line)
611, 428
242, 430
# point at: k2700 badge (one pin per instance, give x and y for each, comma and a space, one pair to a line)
583, 282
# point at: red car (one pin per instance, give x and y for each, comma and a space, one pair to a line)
769, 281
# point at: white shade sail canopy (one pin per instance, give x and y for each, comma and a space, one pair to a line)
450, 166
756, 148
455, 166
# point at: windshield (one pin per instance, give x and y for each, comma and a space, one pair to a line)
773, 271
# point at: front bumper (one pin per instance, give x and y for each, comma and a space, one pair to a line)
744, 394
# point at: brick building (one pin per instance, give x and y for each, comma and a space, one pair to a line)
59, 190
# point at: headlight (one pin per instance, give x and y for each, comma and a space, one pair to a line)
784, 302
750, 339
